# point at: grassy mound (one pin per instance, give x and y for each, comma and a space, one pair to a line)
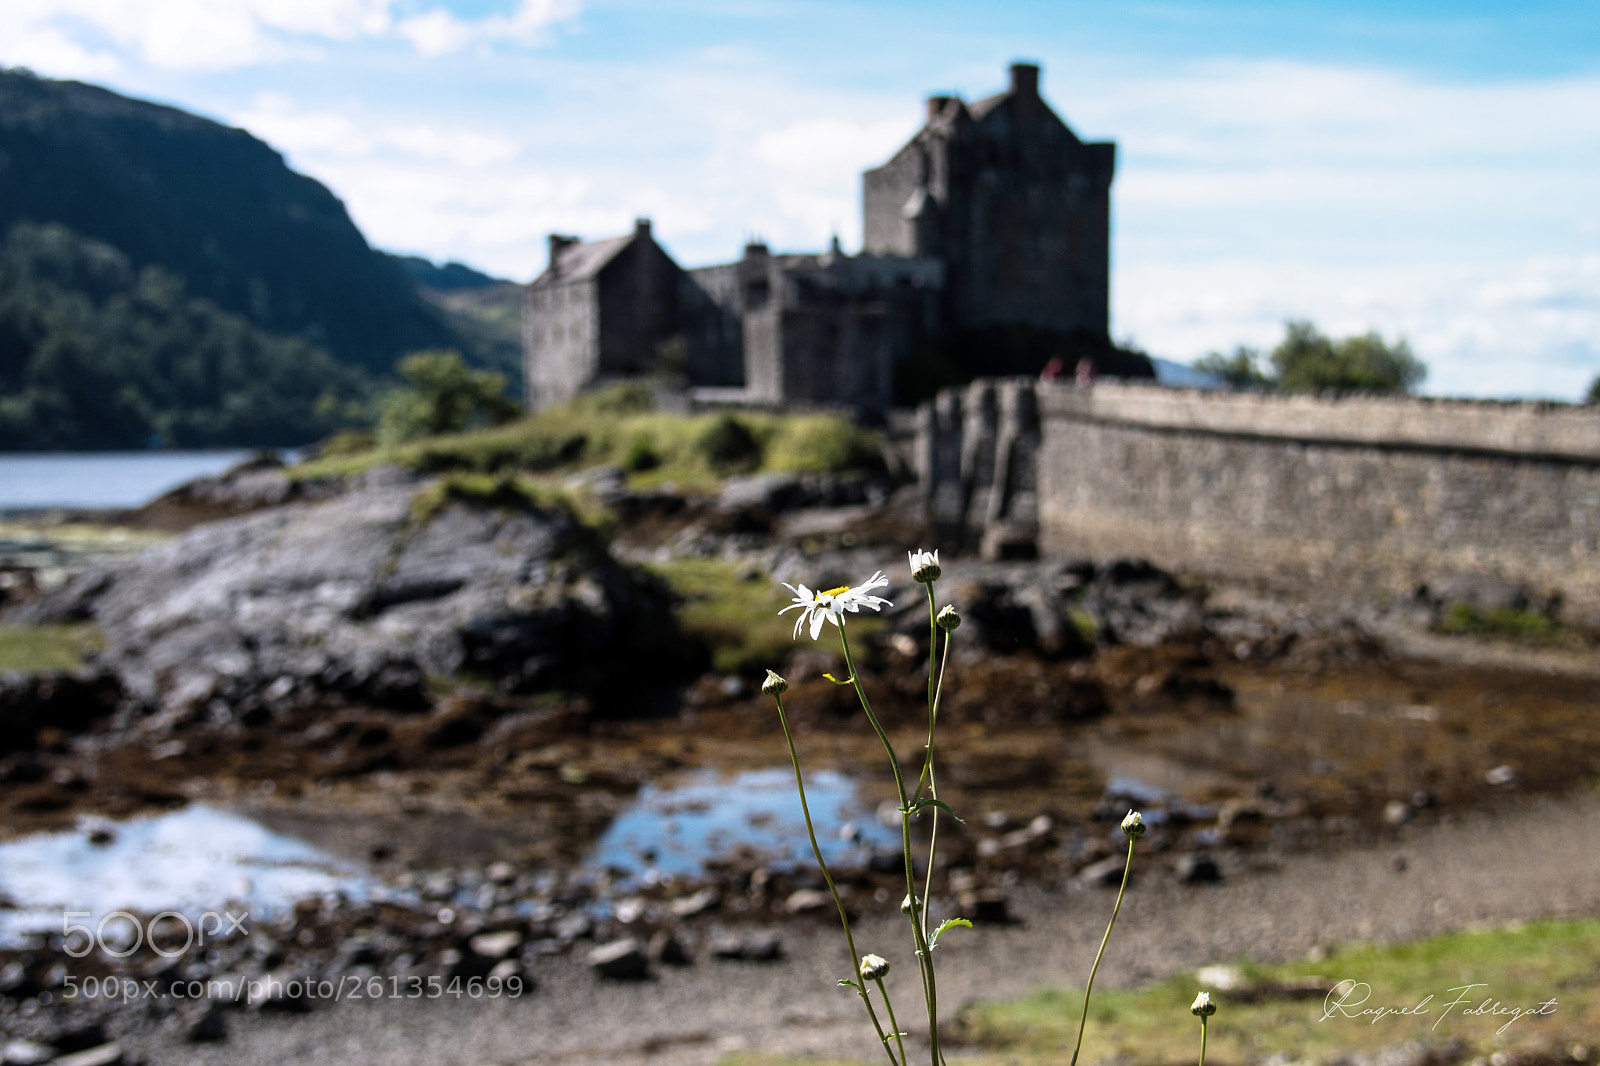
617, 426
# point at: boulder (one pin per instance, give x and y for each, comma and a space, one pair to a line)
366, 595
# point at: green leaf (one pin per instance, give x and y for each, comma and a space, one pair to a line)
836, 681
849, 984
933, 941
916, 808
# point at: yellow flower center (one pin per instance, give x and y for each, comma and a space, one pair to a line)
835, 592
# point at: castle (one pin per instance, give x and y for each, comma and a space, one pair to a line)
986, 250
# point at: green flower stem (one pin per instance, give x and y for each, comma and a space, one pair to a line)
844, 919
933, 786
933, 698
1089, 988
894, 1026
930, 992
1203, 1020
933, 640
933, 844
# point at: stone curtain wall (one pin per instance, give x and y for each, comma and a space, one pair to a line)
1349, 495
1354, 495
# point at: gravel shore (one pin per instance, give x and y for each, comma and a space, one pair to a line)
1522, 861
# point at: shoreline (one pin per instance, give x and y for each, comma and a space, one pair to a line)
1487, 869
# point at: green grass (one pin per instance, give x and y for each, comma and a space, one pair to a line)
1520, 965
1462, 619
30, 649
1084, 623
505, 490
736, 617
617, 426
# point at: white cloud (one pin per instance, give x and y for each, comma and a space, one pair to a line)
330, 135
75, 37
1521, 328
437, 32
811, 170
46, 48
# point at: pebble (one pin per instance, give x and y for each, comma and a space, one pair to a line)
104, 1055
807, 899
986, 908
574, 926
620, 960
699, 903
1397, 812
25, 1053
506, 969
209, 1025
1198, 868
495, 945
1107, 872
667, 949
747, 947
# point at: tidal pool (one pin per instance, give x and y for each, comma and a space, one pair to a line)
674, 826
192, 861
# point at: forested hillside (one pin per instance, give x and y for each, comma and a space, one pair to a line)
98, 353
211, 205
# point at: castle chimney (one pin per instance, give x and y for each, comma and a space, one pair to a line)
1025, 81
936, 106
557, 243
641, 227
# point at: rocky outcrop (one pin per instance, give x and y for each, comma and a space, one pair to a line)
368, 595
258, 483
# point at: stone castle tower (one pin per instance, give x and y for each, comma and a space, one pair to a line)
986, 248
1013, 203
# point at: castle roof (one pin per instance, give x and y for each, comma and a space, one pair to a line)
980, 108
584, 259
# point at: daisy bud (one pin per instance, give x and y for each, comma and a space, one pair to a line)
924, 566
874, 967
774, 685
1203, 1007
948, 619
1133, 825
908, 904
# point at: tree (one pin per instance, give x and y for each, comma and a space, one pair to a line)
1242, 369
1307, 361
1593, 395
442, 395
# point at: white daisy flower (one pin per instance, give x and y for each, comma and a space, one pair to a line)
829, 606
924, 565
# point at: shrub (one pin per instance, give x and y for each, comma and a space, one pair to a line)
442, 395
1307, 361
640, 456
727, 443
823, 444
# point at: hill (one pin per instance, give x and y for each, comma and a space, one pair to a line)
212, 206
95, 353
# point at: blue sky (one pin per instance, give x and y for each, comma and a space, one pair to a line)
1427, 170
